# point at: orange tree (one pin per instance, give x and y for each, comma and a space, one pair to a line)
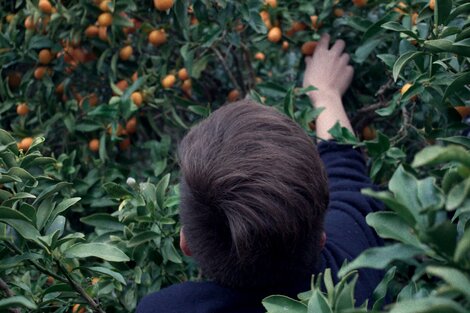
95, 95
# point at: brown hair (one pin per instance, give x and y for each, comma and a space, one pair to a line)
253, 197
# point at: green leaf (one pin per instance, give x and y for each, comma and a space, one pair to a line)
103, 270
116, 191
169, 251
103, 220
283, 304
389, 225
44, 212
17, 301
381, 257
380, 292
25, 229
397, 27
458, 140
388, 199
64, 205
442, 11
462, 252
402, 61
453, 277
318, 303
161, 188
51, 190
141, 238
458, 194
428, 305
436, 154
405, 188
98, 250
457, 84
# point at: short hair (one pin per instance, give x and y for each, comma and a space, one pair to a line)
253, 197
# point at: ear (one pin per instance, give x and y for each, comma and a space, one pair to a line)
184, 244
323, 240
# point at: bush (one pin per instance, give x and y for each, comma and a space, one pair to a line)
112, 101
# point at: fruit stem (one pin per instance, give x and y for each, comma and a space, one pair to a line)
227, 69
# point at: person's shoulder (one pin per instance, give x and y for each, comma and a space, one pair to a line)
190, 297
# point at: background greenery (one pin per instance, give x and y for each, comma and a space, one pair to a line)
92, 108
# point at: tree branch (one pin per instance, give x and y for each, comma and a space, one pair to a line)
9, 293
227, 69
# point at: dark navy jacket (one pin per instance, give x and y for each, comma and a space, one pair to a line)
347, 236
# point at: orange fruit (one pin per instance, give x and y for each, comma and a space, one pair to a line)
78, 55
183, 74
233, 95
94, 145
168, 81
78, 309
315, 23
134, 77
103, 33
45, 6
125, 53
360, 3
22, 109
104, 6
402, 5
122, 85
105, 19
271, 3
432, 4
187, 85
25, 143
369, 133
92, 31
163, 5
14, 79
260, 56
124, 144
157, 37
40, 71
95, 280
45, 56
29, 23
338, 12
9, 18
405, 88
296, 27
60, 88
266, 19
93, 99
463, 110
131, 125
137, 98
414, 18
275, 34
50, 280
285, 45
308, 48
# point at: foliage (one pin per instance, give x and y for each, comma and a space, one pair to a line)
95, 205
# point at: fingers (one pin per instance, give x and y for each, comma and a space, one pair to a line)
338, 47
344, 59
324, 42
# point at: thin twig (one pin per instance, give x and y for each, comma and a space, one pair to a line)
248, 64
9, 293
227, 69
94, 305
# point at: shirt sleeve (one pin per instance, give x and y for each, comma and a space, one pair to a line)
347, 233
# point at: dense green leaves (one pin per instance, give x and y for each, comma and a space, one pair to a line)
99, 250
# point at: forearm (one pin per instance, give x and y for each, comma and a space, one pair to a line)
333, 112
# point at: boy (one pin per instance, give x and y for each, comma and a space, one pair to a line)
254, 198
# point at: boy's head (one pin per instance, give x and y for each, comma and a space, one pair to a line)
253, 197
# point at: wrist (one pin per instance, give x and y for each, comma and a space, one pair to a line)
329, 96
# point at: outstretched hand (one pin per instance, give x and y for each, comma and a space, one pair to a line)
328, 69
329, 72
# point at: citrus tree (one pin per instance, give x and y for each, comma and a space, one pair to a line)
96, 94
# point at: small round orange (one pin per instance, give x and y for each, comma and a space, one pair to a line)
77, 308
271, 3
94, 145
50, 280
105, 19
338, 12
45, 6
316, 24
92, 31
126, 53
14, 79
22, 109
187, 85
360, 3
95, 280
183, 74
157, 37
308, 48
25, 143
103, 33
163, 5
137, 98
369, 133
9, 18
233, 95
122, 85
134, 77
29, 23
40, 71
464, 111
285, 45
131, 125
45, 56
275, 34
168, 81
260, 56
104, 6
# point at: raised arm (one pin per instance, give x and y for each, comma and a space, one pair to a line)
329, 72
